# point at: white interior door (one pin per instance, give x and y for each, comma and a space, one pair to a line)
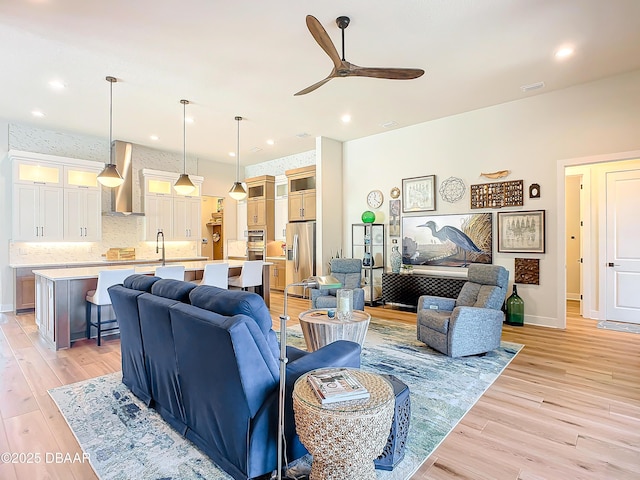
623, 246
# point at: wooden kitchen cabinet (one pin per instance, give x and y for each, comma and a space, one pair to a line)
278, 274
302, 194
260, 204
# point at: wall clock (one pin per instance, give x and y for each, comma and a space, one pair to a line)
395, 192
375, 199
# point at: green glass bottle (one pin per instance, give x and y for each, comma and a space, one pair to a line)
515, 309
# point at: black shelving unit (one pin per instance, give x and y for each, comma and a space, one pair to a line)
368, 242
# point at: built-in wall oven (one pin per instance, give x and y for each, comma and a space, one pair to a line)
256, 246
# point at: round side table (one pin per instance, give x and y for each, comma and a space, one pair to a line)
320, 330
344, 437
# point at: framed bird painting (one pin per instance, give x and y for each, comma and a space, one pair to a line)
447, 240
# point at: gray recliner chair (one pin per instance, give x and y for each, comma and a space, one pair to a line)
470, 324
349, 272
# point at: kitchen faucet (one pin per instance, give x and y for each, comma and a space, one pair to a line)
160, 234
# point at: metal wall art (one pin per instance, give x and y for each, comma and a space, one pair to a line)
497, 194
452, 189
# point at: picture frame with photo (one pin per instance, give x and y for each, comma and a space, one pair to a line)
419, 194
521, 232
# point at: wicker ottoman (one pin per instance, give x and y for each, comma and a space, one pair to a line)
344, 437
393, 451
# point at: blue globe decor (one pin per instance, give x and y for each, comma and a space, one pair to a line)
368, 217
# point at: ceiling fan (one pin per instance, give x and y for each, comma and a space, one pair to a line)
342, 68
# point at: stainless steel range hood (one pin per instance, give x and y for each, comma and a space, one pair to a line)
122, 196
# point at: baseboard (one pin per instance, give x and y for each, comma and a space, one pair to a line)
6, 307
573, 296
542, 321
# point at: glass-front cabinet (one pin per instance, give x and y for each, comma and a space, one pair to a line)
302, 193
55, 198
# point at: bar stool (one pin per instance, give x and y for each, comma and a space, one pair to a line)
216, 274
100, 298
174, 272
250, 275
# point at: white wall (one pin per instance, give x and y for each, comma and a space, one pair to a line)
6, 273
527, 137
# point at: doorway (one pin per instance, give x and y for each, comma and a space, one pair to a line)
597, 286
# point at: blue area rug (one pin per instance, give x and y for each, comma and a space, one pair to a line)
127, 440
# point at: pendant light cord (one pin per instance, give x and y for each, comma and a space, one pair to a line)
111, 81
184, 136
238, 151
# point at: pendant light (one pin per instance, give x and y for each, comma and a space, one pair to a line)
238, 192
184, 185
110, 177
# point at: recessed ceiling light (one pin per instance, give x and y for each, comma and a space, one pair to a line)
390, 124
232, 154
188, 120
154, 137
57, 85
564, 52
346, 118
255, 150
271, 142
302, 135
37, 113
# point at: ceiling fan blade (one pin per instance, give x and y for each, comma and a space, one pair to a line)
390, 73
322, 37
314, 86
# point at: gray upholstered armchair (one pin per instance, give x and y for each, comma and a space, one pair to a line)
470, 324
349, 272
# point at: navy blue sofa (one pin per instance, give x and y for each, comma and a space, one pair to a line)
207, 360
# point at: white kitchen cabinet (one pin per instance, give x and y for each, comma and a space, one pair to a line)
41, 210
187, 224
37, 213
176, 216
82, 216
158, 216
158, 203
241, 220
281, 207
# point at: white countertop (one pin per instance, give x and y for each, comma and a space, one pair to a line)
105, 261
60, 274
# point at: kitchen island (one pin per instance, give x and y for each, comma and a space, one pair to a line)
61, 292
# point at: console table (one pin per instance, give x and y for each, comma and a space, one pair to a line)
405, 289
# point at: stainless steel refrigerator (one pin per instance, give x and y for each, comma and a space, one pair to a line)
301, 254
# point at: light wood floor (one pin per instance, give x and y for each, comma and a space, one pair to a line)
567, 407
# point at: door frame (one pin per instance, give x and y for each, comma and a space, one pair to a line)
587, 271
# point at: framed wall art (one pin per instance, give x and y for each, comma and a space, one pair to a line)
394, 218
419, 194
521, 232
447, 240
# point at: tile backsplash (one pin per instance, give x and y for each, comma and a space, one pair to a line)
117, 232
